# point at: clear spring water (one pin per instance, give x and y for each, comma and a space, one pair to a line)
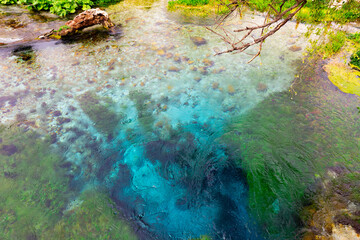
143, 113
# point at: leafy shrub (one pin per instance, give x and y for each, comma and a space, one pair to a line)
335, 42
355, 37
355, 60
59, 7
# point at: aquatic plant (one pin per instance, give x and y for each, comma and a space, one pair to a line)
33, 189
93, 216
144, 108
98, 110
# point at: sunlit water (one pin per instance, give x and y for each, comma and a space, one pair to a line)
160, 155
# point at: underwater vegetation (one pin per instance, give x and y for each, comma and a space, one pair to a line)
33, 189
286, 143
35, 195
95, 217
98, 110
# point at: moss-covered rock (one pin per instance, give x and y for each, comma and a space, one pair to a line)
334, 212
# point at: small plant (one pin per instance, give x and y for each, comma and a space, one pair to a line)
62, 28
355, 60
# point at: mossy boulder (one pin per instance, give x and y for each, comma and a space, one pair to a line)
100, 112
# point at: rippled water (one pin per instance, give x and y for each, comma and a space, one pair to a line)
187, 144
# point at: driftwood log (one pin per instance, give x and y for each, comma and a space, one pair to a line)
85, 19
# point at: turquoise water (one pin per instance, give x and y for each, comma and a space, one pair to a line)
142, 114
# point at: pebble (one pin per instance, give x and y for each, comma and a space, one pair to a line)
215, 85
203, 70
295, 48
177, 59
231, 89
261, 87
192, 68
208, 62
198, 79
160, 52
174, 69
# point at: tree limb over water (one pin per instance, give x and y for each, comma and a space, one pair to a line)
270, 26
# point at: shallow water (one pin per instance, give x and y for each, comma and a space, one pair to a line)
143, 114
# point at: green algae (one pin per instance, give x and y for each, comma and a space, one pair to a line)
144, 108
98, 110
33, 189
289, 140
346, 79
276, 158
95, 217
35, 195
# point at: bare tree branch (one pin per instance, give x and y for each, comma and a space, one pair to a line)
280, 19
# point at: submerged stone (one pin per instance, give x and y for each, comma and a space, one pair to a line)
8, 150
295, 48
261, 87
198, 41
174, 69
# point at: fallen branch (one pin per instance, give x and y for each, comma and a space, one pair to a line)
85, 19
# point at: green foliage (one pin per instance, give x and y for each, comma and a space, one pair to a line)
355, 60
354, 37
335, 42
62, 28
319, 11
327, 43
60, 7
98, 110
188, 2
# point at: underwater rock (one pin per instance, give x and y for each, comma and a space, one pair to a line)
203, 70
192, 68
20, 117
335, 208
161, 52
56, 113
231, 90
8, 150
215, 85
198, 79
295, 48
198, 41
261, 87
174, 69
208, 62
177, 59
